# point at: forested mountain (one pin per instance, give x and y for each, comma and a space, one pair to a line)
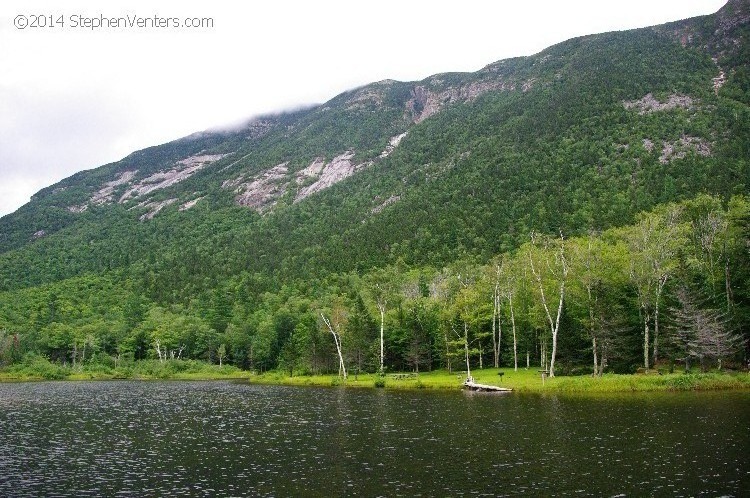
393, 205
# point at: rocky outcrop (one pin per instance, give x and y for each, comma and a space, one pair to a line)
189, 204
182, 170
104, 194
392, 144
311, 171
262, 191
425, 102
680, 148
339, 168
137, 189
720, 79
649, 103
721, 37
154, 208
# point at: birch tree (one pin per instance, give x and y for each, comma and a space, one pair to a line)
383, 286
549, 270
504, 289
654, 244
497, 269
335, 326
465, 309
601, 276
441, 292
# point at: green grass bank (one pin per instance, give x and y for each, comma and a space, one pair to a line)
527, 381
524, 381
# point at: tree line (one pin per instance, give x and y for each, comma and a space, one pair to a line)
672, 288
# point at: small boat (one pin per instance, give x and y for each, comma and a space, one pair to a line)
473, 386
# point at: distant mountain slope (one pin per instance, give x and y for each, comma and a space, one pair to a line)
581, 136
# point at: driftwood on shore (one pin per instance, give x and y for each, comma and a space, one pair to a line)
473, 386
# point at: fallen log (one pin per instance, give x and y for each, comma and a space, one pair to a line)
473, 386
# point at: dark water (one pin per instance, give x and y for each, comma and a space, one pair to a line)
226, 439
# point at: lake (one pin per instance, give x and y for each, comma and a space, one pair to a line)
130, 438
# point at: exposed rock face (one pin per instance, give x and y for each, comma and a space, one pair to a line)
311, 171
183, 169
720, 79
425, 103
392, 144
734, 13
649, 103
78, 209
261, 192
339, 168
189, 204
680, 148
104, 195
722, 39
154, 208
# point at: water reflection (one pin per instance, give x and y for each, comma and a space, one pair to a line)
208, 439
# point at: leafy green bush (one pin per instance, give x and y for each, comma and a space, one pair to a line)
37, 366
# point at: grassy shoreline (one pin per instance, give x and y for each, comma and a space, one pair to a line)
523, 381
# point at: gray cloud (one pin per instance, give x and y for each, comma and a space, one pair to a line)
45, 138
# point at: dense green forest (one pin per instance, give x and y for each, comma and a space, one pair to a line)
672, 288
582, 210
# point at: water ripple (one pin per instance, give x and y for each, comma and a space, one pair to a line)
220, 438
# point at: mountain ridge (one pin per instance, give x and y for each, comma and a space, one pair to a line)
625, 155
395, 142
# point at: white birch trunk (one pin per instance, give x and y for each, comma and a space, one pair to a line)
466, 351
727, 284
554, 325
495, 351
596, 361
555, 330
381, 308
645, 340
157, 344
337, 341
513, 324
592, 328
499, 333
659, 289
447, 353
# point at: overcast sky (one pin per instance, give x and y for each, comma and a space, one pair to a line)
73, 97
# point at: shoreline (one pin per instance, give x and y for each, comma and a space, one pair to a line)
521, 381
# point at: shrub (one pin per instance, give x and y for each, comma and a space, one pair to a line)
34, 365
